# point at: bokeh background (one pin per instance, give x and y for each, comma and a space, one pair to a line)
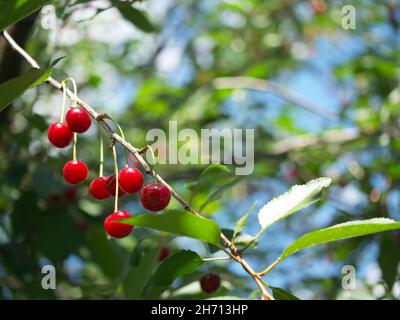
167, 64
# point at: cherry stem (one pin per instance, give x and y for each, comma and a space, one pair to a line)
74, 147
153, 158
116, 178
123, 137
101, 152
64, 101
64, 84
73, 100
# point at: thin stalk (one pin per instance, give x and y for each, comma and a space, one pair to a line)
270, 267
74, 147
114, 151
73, 99
64, 89
101, 167
123, 137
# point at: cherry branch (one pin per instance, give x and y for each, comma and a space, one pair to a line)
275, 89
100, 118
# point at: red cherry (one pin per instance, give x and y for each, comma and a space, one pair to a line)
98, 188
164, 252
210, 282
111, 184
155, 197
60, 135
117, 229
130, 179
75, 172
78, 119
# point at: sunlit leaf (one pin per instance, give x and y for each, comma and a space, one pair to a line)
341, 231
298, 197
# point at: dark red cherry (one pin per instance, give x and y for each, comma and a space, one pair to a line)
111, 184
60, 135
117, 229
164, 253
78, 119
155, 197
75, 172
98, 188
130, 179
210, 282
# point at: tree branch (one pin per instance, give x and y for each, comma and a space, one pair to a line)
275, 89
310, 140
100, 118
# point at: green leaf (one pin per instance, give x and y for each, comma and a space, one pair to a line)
104, 252
181, 223
214, 169
177, 265
297, 198
134, 16
12, 11
339, 232
143, 268
281, 294
55, 61
389, 259
215, 174
15, 87
242, 222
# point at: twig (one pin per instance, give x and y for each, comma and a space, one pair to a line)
270, 267
275, 89
100, 118
311, 140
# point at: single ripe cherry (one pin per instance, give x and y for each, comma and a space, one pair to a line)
130, 179
117, 229
78, 119
164, 253
155, 197
210, 282
75, 172
98, 188
60, 135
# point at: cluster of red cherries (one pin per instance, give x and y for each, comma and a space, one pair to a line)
154, 197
